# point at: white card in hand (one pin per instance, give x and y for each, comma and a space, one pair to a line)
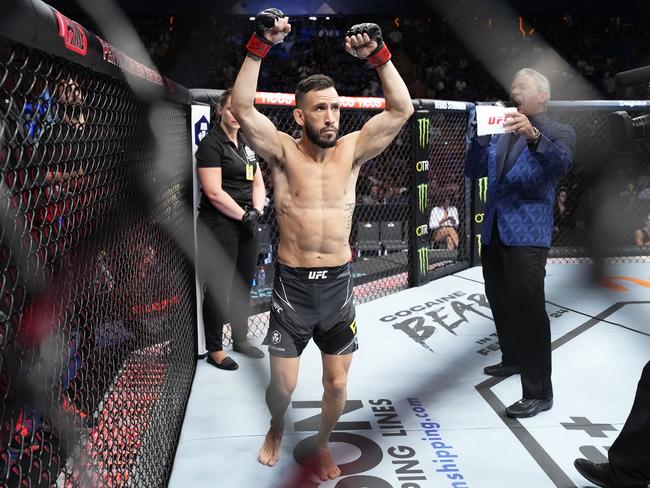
490, 119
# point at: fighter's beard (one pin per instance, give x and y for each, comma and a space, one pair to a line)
315, 137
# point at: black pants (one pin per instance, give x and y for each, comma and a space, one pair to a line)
514, 285
227, 260
629, 456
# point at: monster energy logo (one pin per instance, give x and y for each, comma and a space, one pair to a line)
423, 193
423, 258
478, 244
423, 131
482, 189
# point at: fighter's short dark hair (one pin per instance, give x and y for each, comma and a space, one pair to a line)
312, 83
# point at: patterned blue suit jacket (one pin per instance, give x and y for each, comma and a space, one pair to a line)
521, 181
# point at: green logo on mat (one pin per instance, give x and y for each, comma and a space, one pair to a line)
423, 193
482, 189
423, 258
423, 131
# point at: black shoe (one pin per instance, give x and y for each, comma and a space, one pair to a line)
501, 370
598, 474
528, 407
248, 349
227, 363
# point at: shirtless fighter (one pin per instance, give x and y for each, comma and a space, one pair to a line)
314, 178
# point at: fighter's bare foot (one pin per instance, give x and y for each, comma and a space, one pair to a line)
270, 451
325, 464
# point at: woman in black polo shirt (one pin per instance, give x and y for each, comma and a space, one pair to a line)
232, 200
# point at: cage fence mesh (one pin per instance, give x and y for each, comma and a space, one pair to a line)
97, 307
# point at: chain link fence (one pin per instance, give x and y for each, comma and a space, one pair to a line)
449, 236
97, 306
604, 202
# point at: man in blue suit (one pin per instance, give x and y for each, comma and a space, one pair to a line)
522, 167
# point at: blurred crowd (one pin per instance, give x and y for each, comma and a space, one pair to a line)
624, 212
436, 57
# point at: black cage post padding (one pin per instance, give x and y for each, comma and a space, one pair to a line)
479, 198
208, 96
420, 208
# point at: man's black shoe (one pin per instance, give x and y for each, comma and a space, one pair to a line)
598, 474
501, 370
528, 407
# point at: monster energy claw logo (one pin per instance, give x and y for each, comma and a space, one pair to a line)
482, 189
423, 258
423, 131
479, 244
423, 193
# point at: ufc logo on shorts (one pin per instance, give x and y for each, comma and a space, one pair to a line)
315, 275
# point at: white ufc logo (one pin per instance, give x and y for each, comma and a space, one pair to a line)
314, 275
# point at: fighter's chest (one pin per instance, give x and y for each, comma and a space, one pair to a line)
326, 181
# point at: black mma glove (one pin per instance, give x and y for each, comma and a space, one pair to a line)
380, 55
258, 44
250, 220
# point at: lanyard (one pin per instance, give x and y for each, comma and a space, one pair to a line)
250, 171
237, 154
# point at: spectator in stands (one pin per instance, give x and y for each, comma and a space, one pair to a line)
563, 218
372, 197
71, 101
232, 202
382, 189
395, 196
643, 188
438, 58
642, 235
443, 224
50, 116
395, 36
372, 90
622, 185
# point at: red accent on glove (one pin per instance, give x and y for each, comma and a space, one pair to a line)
258, 47
380, 58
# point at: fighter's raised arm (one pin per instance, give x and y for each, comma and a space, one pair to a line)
365, 42
271, 26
